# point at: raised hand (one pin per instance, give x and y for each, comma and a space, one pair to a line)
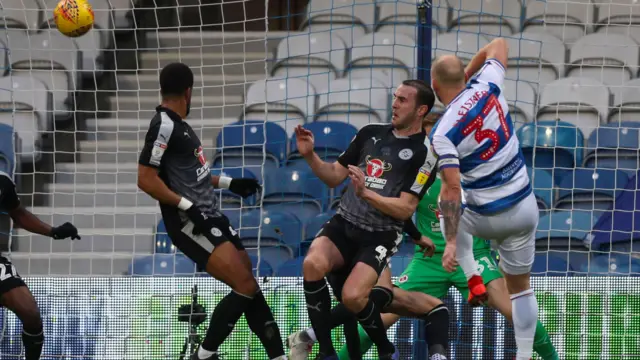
357, 179
66, 230
426, 245
304, 141
244, 186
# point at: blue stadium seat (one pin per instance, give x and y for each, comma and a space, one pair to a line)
614, 146
297, 191
312, 227
276, 227
551, 264
590, 189
270, 253
7, 153
564, 230
292, 267
228, 198
331, 138
612, 264
243, 144
556, 145
399, 264
264, 268
163, 241
163, 265
543, 187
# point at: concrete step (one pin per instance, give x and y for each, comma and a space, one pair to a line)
215, 41
123, 217
96, 173
120, 150
80, 264
136, 129
131, 105
205, 85
211, 63
92, 194
93, 240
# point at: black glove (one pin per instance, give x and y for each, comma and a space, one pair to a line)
244, 186
64, 231
203, 223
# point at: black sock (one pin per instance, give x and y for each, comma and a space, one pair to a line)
352, 337
32, 344
261, 322
381, 297
340, 315
318, 300
437, 330
224, 318
371, 321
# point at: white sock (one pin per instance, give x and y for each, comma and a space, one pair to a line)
438, 357
312, 334
283, 357
203, 354
525, 319
464, 252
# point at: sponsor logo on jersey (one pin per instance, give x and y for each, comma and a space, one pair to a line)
435, 225
157, 151
199, 153
202, 171
423, 176
375, 169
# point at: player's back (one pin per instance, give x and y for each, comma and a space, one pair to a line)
478, 124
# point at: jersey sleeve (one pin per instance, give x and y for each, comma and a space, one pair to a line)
411, 230
352, 154
155, 143
9, 199
491, 72
417, 182
442, 144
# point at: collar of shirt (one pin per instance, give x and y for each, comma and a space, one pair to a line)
171, 113
417, 136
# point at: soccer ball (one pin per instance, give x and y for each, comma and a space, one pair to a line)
73, 17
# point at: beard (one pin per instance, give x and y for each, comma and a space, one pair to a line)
188, 108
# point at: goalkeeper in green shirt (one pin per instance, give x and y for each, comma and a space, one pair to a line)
426, 275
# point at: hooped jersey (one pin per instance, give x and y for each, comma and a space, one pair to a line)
392, 164
476, 134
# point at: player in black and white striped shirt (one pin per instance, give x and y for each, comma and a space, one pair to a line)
14, 293
389, 168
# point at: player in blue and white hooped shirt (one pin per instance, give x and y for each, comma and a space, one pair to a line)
480, 158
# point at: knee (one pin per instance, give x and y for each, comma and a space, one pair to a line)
246, 285
31, 320
354, 299
315, 267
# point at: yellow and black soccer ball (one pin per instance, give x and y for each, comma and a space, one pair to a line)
73, 17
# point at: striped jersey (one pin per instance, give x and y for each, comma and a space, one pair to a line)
476, 134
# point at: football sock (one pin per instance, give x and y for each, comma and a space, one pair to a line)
371, 321
381, 297
525, 319
437, 330
260, 320
318, 300
365, 345
542, 344
224, 318
340, 315
352, 338
32, 344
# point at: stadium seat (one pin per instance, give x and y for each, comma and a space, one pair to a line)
552, 145
462, 44
163, 265
330, 139
52, 50
583, 102
291, 268
392, 56
399, 264
261, 267
270, 227
551, 264
287, 102
227, 198
20, 14
163, 244
564, 231
400, 17
590, 189
354, 101
613, 18
625, 102
614, 146
609, 58
317, 57
349, 19
543, 187
7, 149
252, 145
297, 191
521, 98
568, 20
270, 253
32, 103
494, 18
611, 264
312, 228
535, 57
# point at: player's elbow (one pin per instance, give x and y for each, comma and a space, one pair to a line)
145, 178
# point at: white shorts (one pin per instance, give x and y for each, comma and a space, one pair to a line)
511, 231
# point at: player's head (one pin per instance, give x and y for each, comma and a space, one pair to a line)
176, 84
447, 77
412, 102
429, 121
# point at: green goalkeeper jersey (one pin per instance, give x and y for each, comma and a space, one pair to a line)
428, 221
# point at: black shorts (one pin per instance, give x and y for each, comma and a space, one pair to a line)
9, 277
374, 248
199, 248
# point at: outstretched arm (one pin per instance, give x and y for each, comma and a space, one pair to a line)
26, 220
450, 202
332, 174
497, 49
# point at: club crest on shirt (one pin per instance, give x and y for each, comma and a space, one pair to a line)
405, 154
